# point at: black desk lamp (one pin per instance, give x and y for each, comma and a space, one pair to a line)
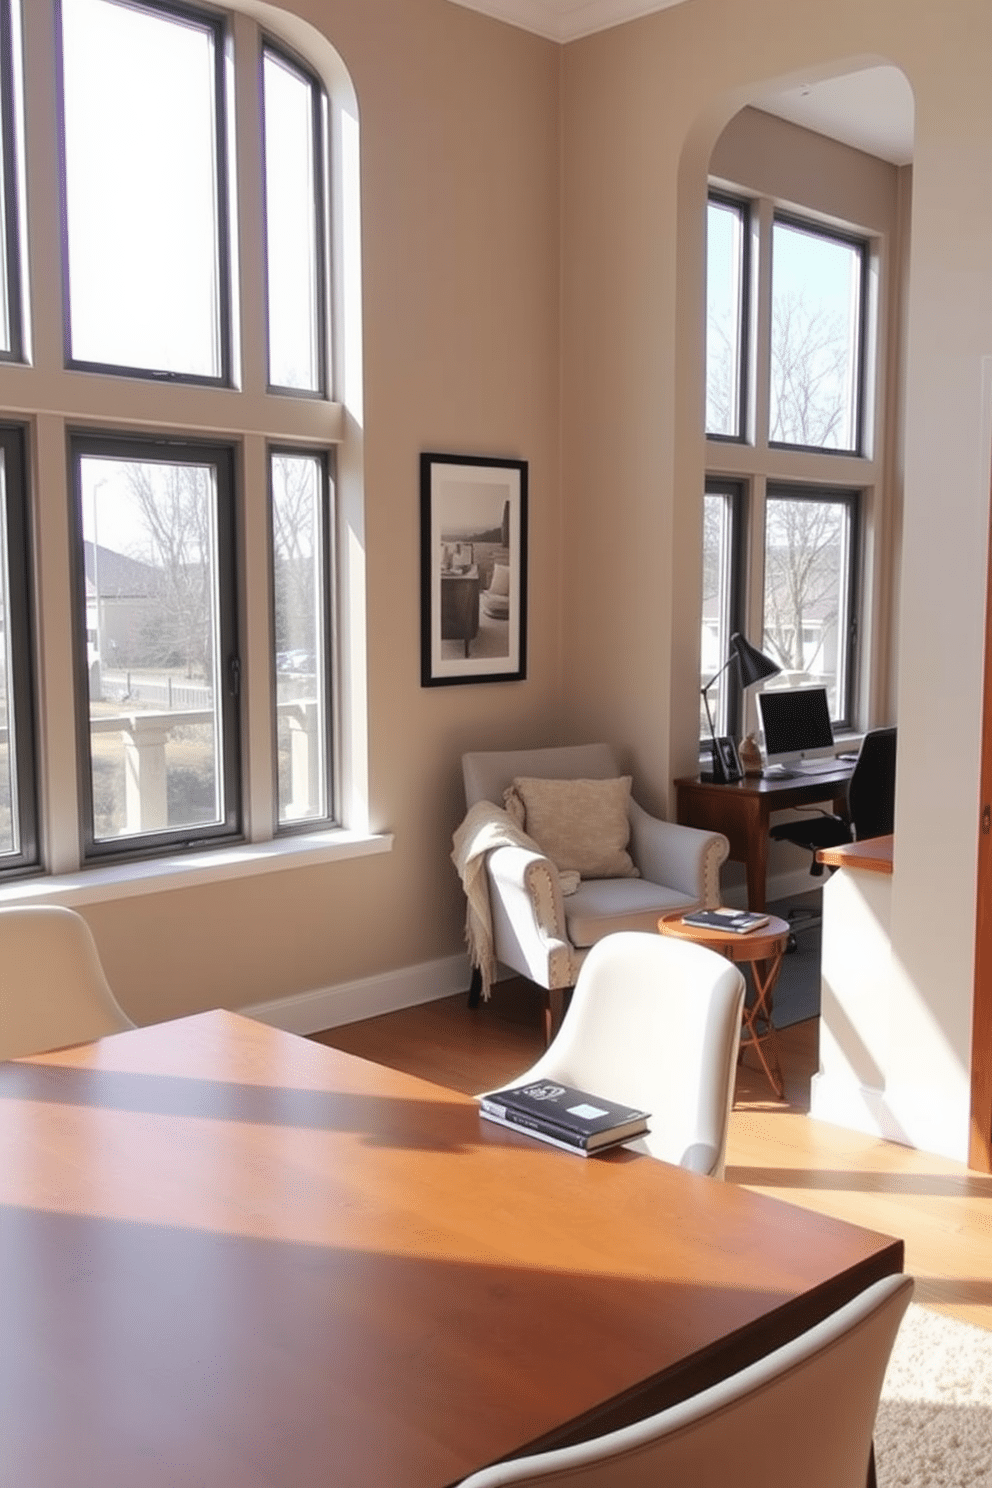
753, 666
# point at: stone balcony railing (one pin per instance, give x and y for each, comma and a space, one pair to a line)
146, 736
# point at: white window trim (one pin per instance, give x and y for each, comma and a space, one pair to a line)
187, 870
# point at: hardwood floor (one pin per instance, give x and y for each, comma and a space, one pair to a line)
940, 1209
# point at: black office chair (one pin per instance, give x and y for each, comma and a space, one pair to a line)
871, 794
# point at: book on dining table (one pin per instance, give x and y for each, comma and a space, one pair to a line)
564, 1116
740, 921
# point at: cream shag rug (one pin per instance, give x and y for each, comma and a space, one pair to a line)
934, 1426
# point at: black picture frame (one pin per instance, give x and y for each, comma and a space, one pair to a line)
473, 569
727, 769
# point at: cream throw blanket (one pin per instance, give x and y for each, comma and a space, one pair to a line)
485, 827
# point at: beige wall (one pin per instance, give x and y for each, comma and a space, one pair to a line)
643, 106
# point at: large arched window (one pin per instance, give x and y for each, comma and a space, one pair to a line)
172, 364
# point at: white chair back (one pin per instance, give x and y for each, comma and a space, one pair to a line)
800, 1417
53, 991
655, 1022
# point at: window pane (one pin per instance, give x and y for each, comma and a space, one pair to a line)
299, 593
724, 317
816, 339
6, 172
807, 588
9, 823
715, 644
142, 188
291, 212
18, 804
154, 658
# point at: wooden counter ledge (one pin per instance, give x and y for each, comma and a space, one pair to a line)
874, 855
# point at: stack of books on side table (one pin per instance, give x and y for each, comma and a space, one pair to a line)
564, 1116
738, 920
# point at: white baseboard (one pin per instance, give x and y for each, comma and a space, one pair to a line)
910, 1117
329, 1007
855, 1107
348, 1002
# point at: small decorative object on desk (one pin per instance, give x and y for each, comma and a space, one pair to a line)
740, 921
749, 755
563, 1116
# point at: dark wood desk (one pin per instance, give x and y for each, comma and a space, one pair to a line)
231, 1256
460, 606
742, 812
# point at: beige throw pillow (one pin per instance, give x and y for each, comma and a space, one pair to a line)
582, 825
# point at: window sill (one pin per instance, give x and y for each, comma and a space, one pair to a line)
187, 870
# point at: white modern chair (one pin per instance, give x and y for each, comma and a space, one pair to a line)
543, 934
53, 991
495, 600
802, 1417
655, 1023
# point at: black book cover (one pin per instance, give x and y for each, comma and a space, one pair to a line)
573, 1116
738, 920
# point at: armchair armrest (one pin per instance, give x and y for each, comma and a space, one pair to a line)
528, 917
683, 858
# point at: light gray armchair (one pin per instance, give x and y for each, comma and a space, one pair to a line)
543, 934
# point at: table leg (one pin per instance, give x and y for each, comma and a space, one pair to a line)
554, 1011
757, 862
764, 975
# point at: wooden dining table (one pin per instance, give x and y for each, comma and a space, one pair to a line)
232, 1256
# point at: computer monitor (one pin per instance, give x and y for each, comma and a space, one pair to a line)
796, 724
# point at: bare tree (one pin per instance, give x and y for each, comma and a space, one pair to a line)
294, 538
175, 503
712, 535
809, 378
802, 553
809, 403
809, 357
721, 378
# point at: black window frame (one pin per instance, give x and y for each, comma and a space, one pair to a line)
216, 24
147, 447
295, 64
743, 207
851, 240
325, 459
22, 650
853, 498
735, 491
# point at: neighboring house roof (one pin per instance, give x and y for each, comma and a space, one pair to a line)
120, 577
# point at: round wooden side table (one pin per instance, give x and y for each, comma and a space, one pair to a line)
762, 950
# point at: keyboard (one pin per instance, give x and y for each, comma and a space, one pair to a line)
827, 766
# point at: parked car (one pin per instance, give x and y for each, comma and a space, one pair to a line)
296, 660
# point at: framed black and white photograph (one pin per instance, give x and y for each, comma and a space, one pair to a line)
473, 566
